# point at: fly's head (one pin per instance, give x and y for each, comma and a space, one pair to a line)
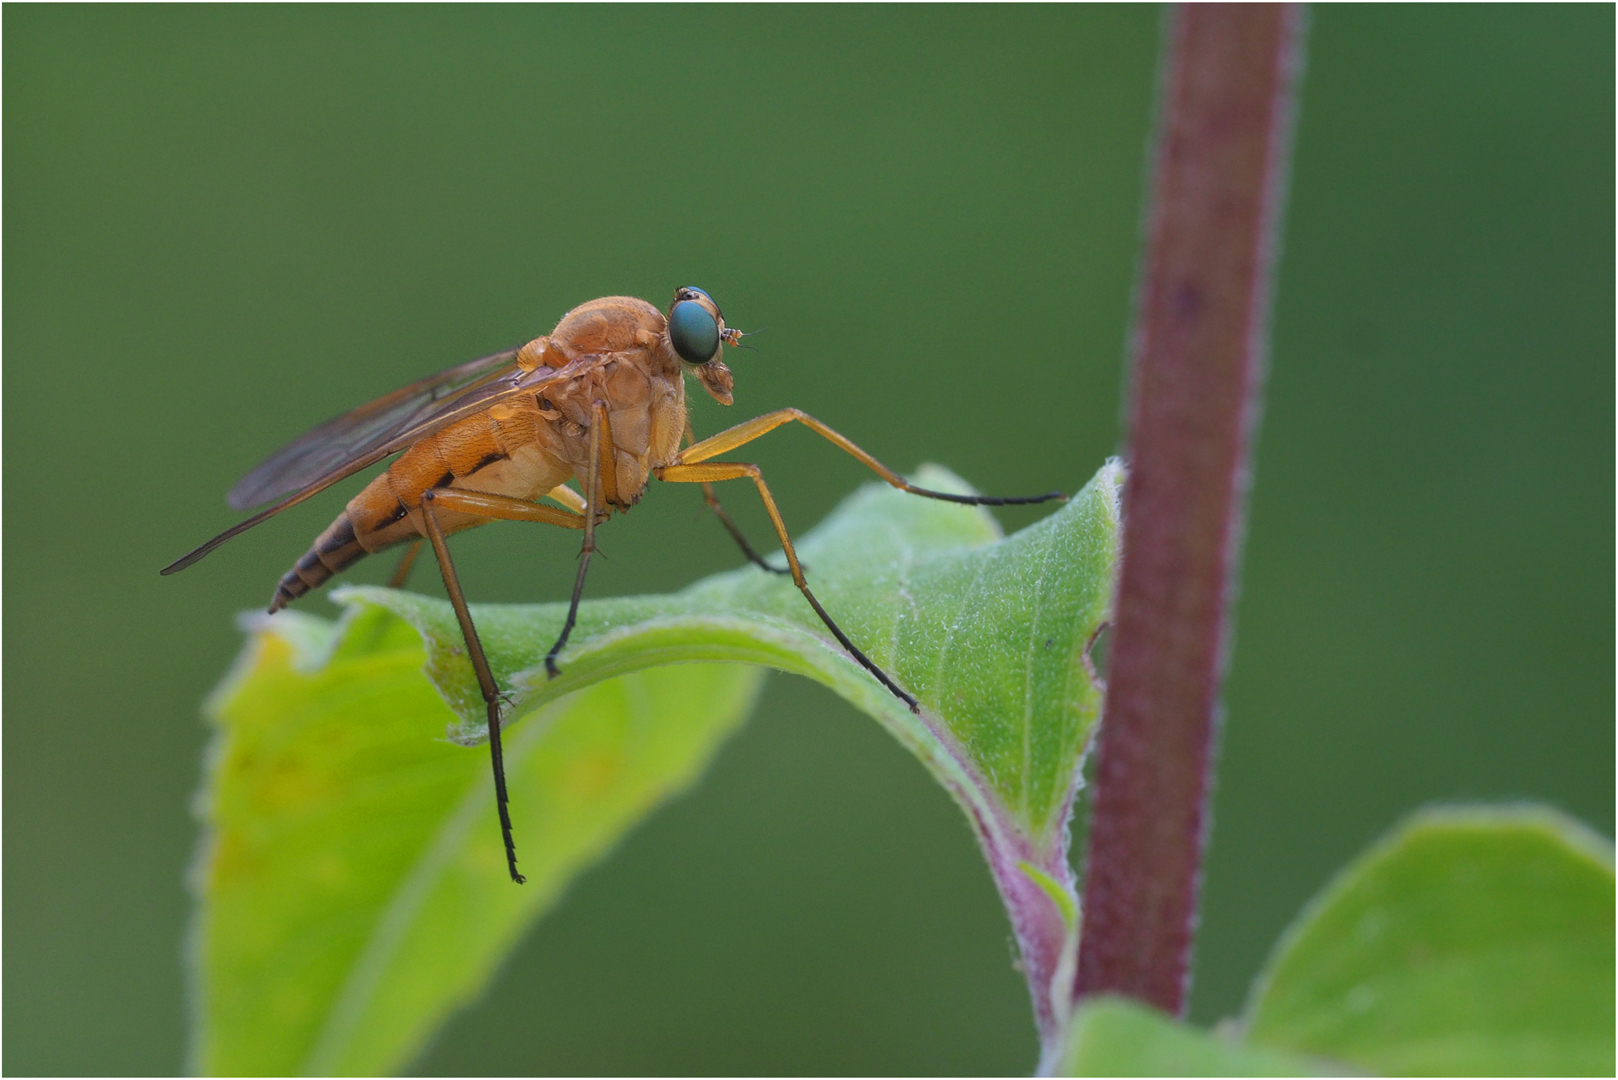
697, 334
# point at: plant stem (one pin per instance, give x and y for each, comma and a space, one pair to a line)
1220, 164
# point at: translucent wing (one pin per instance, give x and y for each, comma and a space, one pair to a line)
355, 434
349, 443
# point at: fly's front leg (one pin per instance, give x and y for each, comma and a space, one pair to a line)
745, 433
736, 533
730, 526
724, 470
600, 486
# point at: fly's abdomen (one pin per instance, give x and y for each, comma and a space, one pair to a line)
480, 452
334, 550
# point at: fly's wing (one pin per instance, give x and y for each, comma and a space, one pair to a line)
354, 434
389, 425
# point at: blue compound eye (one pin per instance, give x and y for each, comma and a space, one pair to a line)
694, 332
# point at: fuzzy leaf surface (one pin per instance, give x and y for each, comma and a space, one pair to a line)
988, 632
352, 883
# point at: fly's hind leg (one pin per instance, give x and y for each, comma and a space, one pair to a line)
401, 573
724, 470
407, 562
492, 506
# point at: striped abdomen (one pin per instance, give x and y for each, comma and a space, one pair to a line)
334, 550
506, 451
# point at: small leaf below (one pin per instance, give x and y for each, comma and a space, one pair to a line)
1115, 1037
1470, 942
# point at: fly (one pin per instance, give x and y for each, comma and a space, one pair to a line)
599, 401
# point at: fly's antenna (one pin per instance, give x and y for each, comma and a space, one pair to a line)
739, 334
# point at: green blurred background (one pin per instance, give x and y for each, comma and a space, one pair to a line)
225, 224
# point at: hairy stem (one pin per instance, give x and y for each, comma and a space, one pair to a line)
1220, 161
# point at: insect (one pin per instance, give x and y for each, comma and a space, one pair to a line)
599, 401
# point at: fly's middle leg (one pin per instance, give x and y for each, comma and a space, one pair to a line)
601, 488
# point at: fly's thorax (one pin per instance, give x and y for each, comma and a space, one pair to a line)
636, 332
612, 324
645, 407
667, 417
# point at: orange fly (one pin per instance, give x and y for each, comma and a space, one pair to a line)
600, 401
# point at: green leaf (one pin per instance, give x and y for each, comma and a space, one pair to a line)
1115, 1037
353, 879
1471, 941
987, 633
353, 892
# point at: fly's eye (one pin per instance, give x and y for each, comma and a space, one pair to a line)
693, 332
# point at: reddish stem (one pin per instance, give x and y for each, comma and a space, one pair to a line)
1223, 141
